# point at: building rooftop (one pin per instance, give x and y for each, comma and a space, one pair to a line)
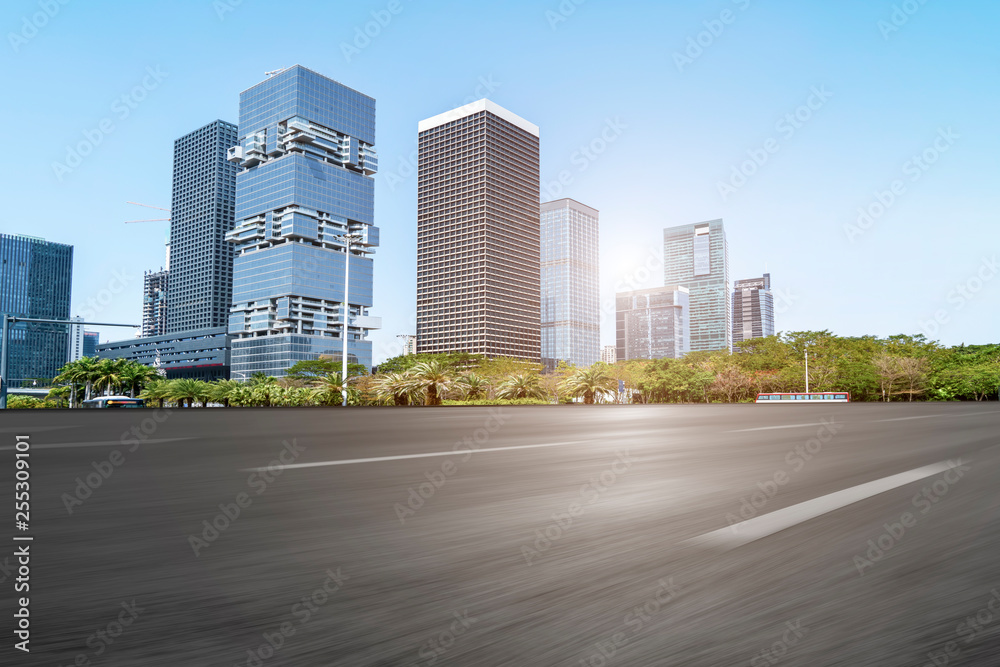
474, 108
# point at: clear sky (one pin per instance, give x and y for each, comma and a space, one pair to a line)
655, 113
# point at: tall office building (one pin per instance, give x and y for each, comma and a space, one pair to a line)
74, 350
753, 309
154, 302
609, 354
478, 233
409, 344
36, 280
201, 213
307, 158
697, 257
571, 323
90, 341
653, 323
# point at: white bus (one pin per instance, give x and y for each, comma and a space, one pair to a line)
811, 397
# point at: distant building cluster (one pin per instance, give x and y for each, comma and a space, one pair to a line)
272, 236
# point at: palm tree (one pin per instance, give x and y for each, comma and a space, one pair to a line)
589, 383
156, 390
86, 372
134, 376
473, 386
433, 378
522, 385
328, 389
224, 391
72, 376
109, 374
395, 388
187, 391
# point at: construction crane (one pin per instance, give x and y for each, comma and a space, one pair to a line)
149, 219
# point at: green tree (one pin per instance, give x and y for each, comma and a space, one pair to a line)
521, 385
433, 377
591, 383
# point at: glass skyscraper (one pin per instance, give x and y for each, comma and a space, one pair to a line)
653, 323
307, 158
753, 308
697, 257
570, 270
201, 213
478, 233
36, 280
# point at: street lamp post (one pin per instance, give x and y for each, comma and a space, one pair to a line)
807, 369
349, 240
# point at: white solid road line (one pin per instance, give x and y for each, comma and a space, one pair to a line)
774, 428
748, 531
96, 443
452, 452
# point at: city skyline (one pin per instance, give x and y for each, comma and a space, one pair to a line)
811, 199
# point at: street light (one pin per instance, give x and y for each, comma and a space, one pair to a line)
349, 240
807, 368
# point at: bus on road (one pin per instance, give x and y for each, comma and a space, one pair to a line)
114, 402
824, 396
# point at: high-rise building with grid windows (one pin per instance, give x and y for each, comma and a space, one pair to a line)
753, 308
201, 213
653, 323
571, 323
36, 280
697, 257
307, 161
478, 254
155, 286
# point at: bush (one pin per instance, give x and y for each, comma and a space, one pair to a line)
500, 401
15, 402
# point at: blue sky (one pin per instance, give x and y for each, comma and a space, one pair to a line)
783, 118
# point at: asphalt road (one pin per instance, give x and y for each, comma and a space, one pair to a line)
564, 535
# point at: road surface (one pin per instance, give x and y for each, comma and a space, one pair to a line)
697, 536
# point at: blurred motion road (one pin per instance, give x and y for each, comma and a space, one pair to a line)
530, 536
